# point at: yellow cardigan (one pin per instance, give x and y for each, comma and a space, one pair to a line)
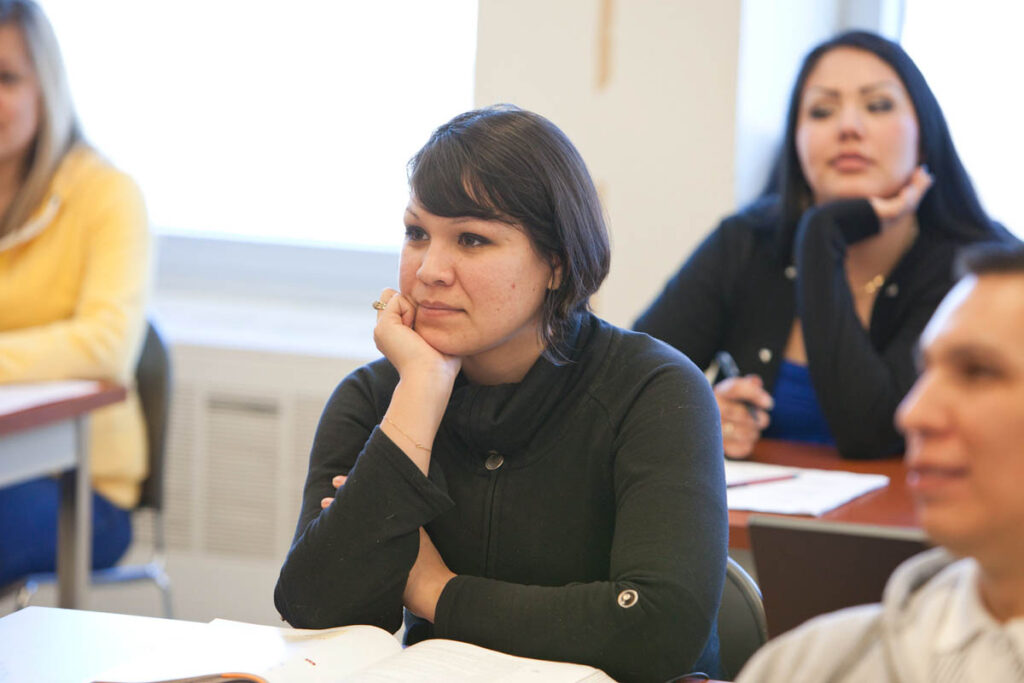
74, 281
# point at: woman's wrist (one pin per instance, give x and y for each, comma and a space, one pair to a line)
414, 415
425, 597
430, 389
440, 376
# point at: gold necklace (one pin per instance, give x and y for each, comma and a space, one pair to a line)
874, 283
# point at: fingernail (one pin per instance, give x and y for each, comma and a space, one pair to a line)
337, 481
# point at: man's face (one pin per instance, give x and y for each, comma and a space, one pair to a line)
964, 419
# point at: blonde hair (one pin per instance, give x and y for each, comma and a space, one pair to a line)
58, 130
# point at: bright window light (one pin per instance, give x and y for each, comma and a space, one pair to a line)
269, 121
970, 53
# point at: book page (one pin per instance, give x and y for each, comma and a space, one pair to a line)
316, 655
456, 662
280, 655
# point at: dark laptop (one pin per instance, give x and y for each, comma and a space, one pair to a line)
807, 567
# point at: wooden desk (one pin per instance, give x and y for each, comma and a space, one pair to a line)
889, 506
52, 437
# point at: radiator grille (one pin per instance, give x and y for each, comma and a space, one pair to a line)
240, 431
242, 450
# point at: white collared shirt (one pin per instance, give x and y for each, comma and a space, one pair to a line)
949, 635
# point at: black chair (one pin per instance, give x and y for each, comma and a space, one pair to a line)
153, 383
742, 627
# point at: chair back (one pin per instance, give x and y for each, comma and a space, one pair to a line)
153, 383
812, 566
742, 628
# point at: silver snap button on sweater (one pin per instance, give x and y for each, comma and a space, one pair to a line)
628, 598
494, 460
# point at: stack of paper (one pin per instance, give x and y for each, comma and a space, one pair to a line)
794, 490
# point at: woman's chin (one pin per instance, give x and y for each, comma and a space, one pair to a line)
856, 189
443, 343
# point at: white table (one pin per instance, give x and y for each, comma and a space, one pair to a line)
50, 435
58, 645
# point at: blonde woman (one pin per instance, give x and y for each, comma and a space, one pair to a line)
74, 263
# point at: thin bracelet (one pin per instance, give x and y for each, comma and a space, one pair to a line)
401, 431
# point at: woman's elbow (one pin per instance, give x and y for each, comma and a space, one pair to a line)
660, 658
303, 605
109, 347
659, 645
321, 600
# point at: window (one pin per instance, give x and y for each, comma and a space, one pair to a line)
269, 121
970, 54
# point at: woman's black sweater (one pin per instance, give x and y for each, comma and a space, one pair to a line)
551, 499
734, 293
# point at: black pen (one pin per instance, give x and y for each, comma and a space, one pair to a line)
728, 368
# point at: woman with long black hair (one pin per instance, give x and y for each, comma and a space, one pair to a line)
820, 292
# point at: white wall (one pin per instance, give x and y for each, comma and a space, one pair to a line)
773, 40
658, 138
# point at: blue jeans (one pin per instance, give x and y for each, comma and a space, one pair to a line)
28, 529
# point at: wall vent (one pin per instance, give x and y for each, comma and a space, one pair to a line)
241, 427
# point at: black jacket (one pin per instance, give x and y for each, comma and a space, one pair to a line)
610, 480
735, 293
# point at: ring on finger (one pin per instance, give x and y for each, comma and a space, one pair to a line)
379, 305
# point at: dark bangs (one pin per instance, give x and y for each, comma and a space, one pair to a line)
444, 180
483, 166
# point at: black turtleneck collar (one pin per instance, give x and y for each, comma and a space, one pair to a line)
504, 418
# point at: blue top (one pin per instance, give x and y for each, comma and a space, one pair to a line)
797, 415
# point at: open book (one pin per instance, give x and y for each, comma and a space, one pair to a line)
348, 653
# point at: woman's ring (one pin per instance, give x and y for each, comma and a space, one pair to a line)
379, 305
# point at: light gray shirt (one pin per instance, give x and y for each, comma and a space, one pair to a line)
931, 627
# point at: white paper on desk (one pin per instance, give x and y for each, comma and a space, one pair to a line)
812, 492
18, 397
737, 472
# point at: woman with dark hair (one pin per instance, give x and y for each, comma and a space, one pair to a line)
515, 472
820, 293
74, 272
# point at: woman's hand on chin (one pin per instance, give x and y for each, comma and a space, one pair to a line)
905, 202
403, 346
